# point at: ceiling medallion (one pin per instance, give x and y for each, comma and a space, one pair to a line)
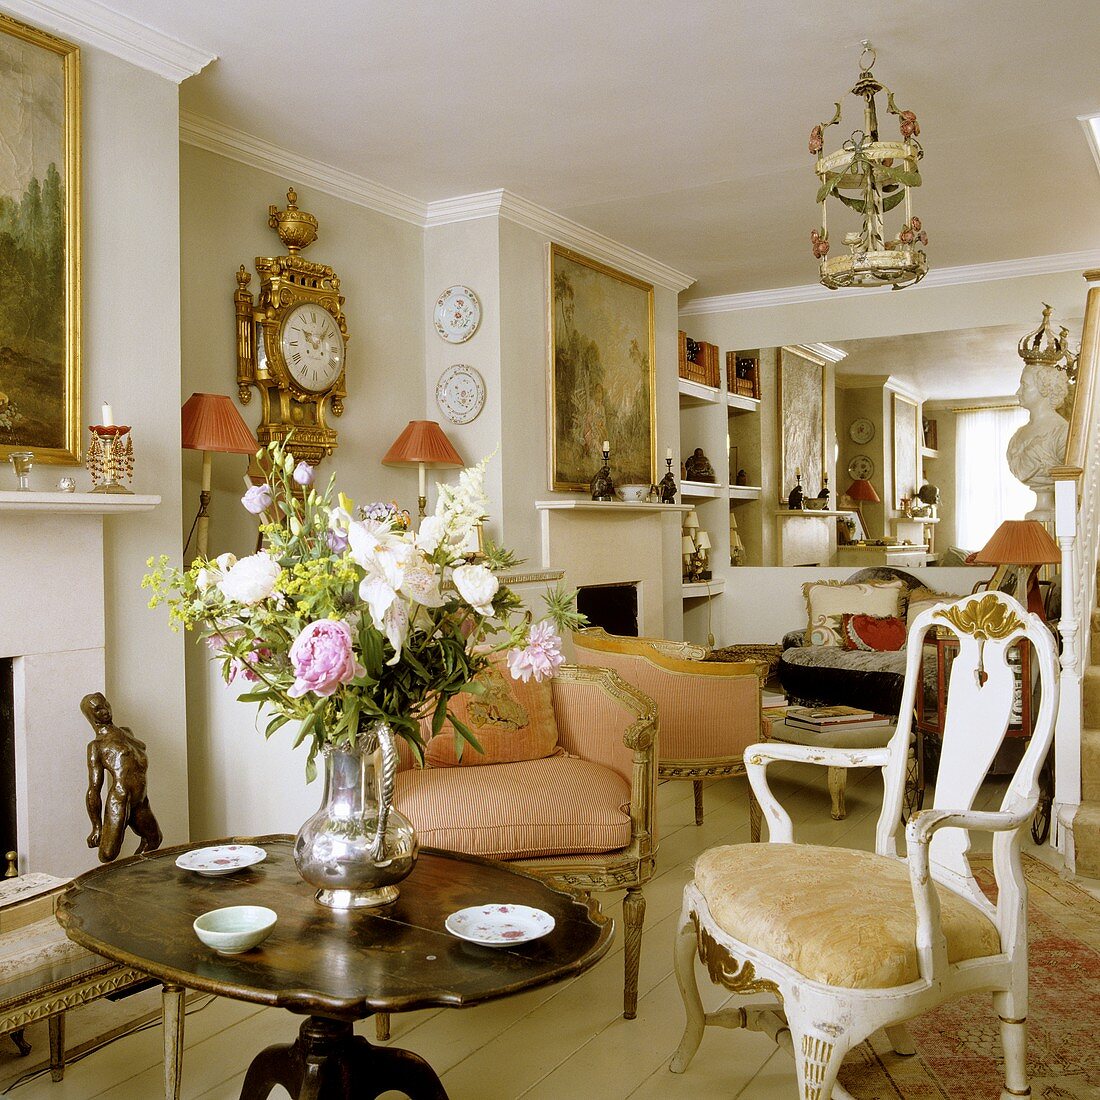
871, 177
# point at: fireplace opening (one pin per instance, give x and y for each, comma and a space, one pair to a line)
612, 606
8, 837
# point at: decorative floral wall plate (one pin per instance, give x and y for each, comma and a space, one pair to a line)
460, 393
221, 859
499, 925
457, 314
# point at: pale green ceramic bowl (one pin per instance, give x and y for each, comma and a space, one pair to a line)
236, 928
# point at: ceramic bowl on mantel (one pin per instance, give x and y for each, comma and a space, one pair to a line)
632, 494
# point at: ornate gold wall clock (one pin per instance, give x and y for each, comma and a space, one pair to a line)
291, 342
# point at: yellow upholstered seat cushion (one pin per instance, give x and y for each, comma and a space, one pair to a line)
835, 915
546, 807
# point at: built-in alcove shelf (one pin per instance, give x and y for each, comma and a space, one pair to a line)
745, 492
737, 403
695, 393
929, 452
701, 589
609, 506
697, 490
811, 513
13, 500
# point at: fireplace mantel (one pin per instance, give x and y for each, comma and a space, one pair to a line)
14, 500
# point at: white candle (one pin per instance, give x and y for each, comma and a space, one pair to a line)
668, 452
423, 481
108, 416
606, 445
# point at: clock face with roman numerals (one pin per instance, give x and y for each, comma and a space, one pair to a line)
312, 347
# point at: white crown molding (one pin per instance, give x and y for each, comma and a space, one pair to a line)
205, 133
561, 230
118, 34
825, 351
1091, 126
944, 276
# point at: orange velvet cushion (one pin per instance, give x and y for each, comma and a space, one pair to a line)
512, 721
547, 807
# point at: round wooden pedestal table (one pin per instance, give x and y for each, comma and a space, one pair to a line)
332, 966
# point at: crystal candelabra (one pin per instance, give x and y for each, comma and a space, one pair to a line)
110, 457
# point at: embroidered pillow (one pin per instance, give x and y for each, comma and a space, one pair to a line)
922, 599
828, 601
872, 633
512, 721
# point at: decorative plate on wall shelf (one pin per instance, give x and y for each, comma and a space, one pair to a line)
460, 393
862, 430
861, 468
457, 314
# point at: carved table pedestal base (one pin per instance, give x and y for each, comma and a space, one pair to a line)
328, 1061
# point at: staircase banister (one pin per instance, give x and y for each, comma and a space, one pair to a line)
1085, 389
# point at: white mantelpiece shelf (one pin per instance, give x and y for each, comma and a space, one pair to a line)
12, 500
608, 506
810, 513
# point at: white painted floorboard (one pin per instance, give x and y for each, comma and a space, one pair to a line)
555, 1043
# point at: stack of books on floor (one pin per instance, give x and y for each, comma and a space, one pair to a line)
825, 718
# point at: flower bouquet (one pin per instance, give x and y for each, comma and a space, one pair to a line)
356, 627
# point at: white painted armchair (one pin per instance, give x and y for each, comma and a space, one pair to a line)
840, 942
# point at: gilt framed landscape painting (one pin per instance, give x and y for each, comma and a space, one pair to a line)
600, 373
39, 244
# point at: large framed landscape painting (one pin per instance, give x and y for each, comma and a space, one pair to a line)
39, 244
601, 372
800, 380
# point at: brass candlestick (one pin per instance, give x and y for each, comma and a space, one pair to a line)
110, 457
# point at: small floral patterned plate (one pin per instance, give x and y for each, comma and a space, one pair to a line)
499, 925
221, 859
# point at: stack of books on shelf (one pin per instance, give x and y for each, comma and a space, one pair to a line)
743, 374
821, 719
699, 361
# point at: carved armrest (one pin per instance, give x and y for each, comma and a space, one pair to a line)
931, 945
758, 757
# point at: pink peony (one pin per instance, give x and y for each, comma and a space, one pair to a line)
323, 658
257, 499
540, 657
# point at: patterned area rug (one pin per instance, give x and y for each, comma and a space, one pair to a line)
958, 1045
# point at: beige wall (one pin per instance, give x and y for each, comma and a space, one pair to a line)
131, 358
238, 781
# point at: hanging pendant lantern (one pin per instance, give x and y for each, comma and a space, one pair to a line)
873, 178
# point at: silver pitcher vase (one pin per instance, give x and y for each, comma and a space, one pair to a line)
357, 847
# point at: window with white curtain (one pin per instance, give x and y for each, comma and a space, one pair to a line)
986, 493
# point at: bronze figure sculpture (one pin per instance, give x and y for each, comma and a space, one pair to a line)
118, 754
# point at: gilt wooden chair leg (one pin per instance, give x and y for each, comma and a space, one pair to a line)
57, 1045
382, 1026
172, 999
697, 788
633, 919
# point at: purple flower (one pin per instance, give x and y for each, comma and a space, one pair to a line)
257, 499
337, 541
303, 473
540, 657
323, 658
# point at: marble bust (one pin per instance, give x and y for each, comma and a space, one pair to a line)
1040, 444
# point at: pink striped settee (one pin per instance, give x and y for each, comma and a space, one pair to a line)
581, 819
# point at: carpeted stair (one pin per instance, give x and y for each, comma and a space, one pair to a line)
1086, 822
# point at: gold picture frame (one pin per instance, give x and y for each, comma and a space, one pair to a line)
40, 307
600, 377
800, 401
906, 443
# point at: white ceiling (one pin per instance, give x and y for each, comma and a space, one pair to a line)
947, 366
678, 129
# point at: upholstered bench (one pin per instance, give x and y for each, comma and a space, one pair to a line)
42, 972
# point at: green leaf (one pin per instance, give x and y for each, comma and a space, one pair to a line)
465, 731
891, 201
859, 205
258, 696
276, 723
440, 715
